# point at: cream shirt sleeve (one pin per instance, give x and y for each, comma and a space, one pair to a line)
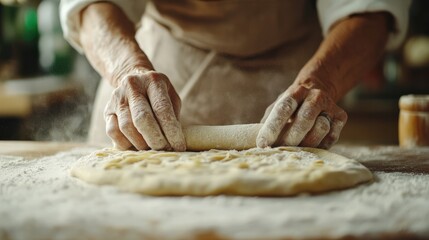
331, 11
69, 16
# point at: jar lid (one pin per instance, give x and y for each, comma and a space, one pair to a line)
414, 103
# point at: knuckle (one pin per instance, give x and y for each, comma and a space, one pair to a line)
133, 88
118, 98
274, 128
161, 106
299, 129
126, 125
117, 93
287, 105
155, 78
302, 128
112, 132
130, 81
141, 117
308, 113
313, 103
321, 97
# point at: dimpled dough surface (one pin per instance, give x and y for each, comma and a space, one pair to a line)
278, 171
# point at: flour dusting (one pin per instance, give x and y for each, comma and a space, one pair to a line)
40, 200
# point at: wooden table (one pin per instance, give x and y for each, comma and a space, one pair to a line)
82, 211
388, 158
29, 149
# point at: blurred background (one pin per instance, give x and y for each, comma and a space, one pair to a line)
47, 89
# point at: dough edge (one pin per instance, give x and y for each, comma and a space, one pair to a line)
309, 180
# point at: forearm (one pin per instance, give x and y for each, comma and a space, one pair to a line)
107, 37
349, 51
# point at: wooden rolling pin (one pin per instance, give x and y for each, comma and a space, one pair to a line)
239, 137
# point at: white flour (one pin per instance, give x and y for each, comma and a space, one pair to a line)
39, 200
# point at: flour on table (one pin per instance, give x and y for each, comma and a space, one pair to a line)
258, 172
40, 200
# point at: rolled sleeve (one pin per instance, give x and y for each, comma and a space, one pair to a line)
331, 11
69, 16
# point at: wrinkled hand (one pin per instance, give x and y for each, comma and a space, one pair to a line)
143, 113
302, 117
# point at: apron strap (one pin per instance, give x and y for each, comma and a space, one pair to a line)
196, 76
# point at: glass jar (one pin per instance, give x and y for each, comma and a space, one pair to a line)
414, 120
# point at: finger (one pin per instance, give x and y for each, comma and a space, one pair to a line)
112, 130
164, 112
142, 116
336, 126
276, 120
302, 124
127, 127
145, 122
317, 133
175, 100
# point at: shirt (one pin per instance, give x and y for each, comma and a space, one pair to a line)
242, 27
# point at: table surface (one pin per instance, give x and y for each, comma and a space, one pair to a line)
30, 149
376, 158
373, 210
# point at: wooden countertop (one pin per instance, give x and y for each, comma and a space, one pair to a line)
388, 158
30, 149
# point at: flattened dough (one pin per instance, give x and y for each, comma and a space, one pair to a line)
278, 171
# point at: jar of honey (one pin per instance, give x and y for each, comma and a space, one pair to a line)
414, 120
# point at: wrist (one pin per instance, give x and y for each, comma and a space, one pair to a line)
108, 39
349, 51
129, 68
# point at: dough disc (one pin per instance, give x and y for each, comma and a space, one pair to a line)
278, 171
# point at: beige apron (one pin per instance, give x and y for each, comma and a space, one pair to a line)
228, 60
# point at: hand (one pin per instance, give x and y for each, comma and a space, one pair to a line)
304, 117
143, 112
306, 114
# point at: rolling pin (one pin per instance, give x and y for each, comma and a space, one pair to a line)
239, 137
